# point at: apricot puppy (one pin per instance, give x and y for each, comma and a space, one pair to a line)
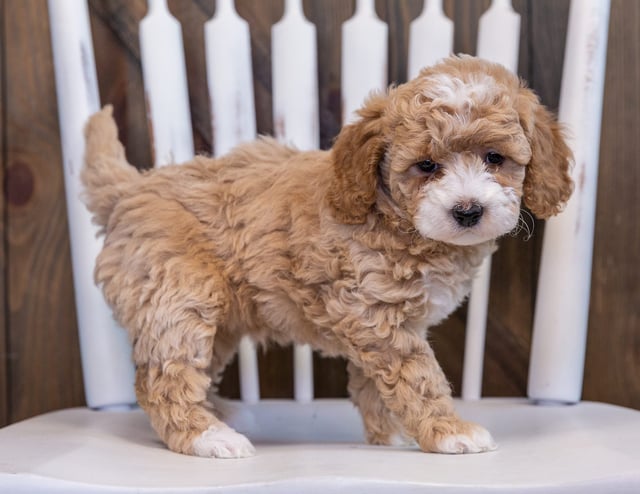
356, 250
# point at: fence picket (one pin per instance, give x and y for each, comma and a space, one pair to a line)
501, 46
233, 121
430, 37
103, 344
296, 122
364, 57
165, 84
562, 304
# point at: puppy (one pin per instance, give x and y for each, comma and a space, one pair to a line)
356, 250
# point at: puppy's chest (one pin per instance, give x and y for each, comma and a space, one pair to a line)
443, 295
446, 287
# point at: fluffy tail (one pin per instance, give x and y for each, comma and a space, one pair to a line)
106, 174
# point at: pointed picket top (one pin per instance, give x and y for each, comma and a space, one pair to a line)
225, 8
499, 45
295, 79
499, 34
430, 37
364, 57
158, 7
296, 122
229, 78
293, 11
233, 121
165, 83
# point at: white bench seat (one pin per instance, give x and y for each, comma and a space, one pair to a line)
319, 447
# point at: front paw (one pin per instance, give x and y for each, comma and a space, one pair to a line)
454, 436
221, 441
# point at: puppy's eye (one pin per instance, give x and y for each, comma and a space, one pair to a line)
428, 166
493, 158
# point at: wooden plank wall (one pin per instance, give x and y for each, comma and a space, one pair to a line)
40, 331
4, 352
39, 357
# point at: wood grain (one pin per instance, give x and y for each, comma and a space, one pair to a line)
261, 16
192, 21
328, 18
398, 15
613, 344
114, 25
4, 355
545, 48
42, 334
511, 299
39, 358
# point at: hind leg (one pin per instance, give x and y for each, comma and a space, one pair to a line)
173, 356
174, 397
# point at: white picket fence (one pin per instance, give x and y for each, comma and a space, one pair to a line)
562, 307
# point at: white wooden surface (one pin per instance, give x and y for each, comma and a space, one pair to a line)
304, 448
229, 78
364, 58
296, 122
499, 34
103, 344
165, 84
498, 41
295, 78
233, 121
562, 302
430, 37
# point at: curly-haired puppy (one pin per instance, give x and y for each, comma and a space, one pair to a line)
356, 250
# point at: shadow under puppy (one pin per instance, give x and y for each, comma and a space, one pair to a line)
356, 250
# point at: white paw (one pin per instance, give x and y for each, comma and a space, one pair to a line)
221, 441
477, 440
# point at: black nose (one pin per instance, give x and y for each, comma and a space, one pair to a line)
467, 215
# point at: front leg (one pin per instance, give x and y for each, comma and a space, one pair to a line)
414, 389
381, 427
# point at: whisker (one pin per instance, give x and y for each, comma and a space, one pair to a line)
526, 223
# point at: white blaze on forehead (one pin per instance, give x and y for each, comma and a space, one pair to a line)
461, 94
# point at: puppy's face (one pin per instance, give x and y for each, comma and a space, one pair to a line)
457, 163
455, 150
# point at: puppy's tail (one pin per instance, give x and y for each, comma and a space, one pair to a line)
106, 174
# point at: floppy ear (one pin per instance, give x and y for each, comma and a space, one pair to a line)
547, 183
356, 154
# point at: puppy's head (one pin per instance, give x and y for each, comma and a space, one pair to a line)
454, 151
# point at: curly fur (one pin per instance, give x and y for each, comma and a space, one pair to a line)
325, 247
